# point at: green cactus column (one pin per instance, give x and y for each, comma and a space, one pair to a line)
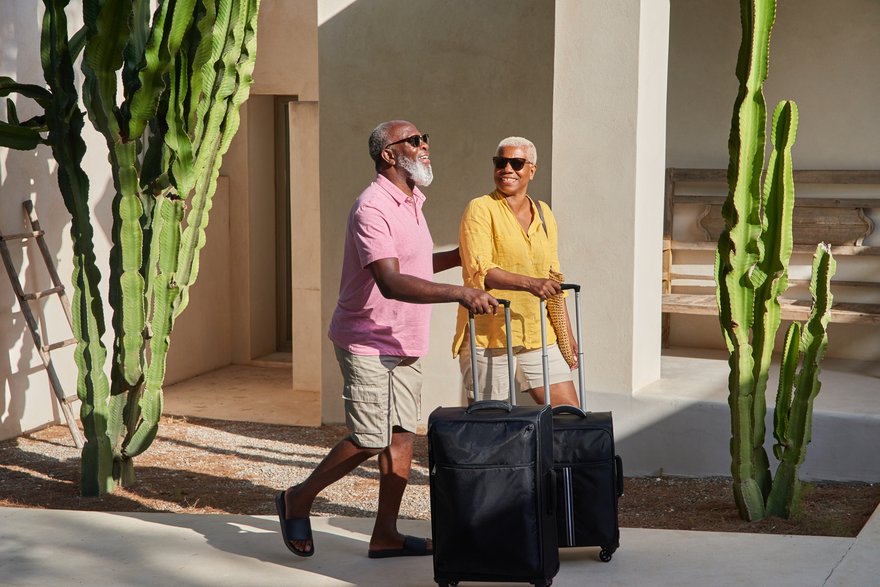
182, 75
751, 271
65, 123
739, 250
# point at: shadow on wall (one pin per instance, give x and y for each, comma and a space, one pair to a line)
31, 175
23, 175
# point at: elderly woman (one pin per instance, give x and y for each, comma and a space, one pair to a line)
508, 248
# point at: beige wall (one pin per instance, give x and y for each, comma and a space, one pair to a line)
287, 49
469, 73
202, 337
823, 55
287, 64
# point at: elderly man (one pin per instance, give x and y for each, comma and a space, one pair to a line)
380, 333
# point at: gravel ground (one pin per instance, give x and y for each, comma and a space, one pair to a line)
215, 466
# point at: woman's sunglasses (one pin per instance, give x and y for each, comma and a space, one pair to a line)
415, 140
516, 163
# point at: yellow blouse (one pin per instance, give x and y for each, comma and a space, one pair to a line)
490, 236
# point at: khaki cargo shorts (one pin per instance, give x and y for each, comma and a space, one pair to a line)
381, 392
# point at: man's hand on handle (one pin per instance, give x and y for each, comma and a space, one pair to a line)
478, 301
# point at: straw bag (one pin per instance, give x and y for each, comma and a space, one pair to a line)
556, 311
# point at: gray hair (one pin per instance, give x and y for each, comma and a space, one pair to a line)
529, 146
379, 138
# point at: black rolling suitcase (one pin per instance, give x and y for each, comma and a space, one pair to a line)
589, 474
492, 489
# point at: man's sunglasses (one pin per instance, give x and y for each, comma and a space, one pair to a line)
415, 141
516, 163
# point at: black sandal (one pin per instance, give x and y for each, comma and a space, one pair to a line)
294, 528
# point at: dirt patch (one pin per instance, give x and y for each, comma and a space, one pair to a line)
214, 466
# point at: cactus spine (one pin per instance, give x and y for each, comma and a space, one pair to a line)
751, 262
183, 76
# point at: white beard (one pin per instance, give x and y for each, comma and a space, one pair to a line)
420, 173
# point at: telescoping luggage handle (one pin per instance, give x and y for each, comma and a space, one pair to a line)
491, 404
545, 357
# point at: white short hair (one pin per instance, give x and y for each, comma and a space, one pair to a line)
529, 146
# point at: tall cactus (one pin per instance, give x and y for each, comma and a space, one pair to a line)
183, 75
751, 262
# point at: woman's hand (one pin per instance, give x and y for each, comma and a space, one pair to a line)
543, 288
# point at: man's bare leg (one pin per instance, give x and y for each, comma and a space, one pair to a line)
395, 463
341, 460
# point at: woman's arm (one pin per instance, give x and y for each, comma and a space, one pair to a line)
444, 260
497, 278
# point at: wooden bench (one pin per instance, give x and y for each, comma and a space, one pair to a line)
837, 212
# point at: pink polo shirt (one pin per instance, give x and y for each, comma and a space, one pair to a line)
383, 224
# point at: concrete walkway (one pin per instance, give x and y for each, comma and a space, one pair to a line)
39, 548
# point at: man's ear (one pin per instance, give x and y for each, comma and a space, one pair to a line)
388, 157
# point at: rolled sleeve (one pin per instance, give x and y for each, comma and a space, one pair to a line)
476, 246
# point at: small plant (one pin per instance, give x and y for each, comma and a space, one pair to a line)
182, 76
751, 272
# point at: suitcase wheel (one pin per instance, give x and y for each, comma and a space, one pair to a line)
605, 555
444, 583
545, 583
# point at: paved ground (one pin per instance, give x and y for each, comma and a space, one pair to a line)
56, 547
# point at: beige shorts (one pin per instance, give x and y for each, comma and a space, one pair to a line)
381, 392
528, 370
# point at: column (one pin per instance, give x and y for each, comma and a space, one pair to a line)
609, 149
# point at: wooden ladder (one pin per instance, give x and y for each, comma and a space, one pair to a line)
36, 233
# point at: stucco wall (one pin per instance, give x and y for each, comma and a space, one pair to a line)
469, 74
822, 55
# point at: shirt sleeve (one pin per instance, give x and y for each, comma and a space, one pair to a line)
476, 245
372, 236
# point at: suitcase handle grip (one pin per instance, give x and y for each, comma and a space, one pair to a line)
576, 287
488, 404
566, 409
